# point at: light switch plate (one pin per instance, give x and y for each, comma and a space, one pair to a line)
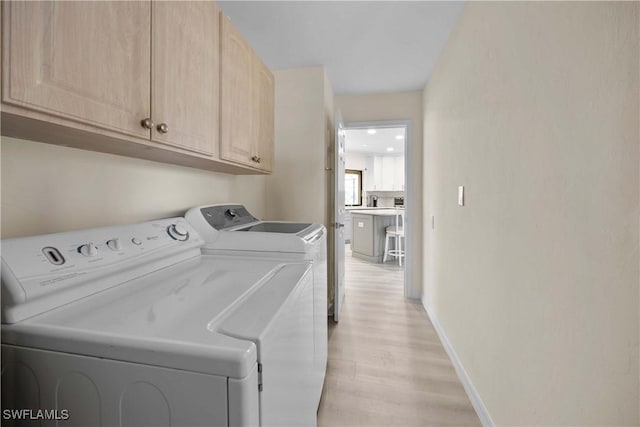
461, 195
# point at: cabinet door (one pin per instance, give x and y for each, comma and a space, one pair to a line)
388, 173
186, 74
398, 182
236, 140
263, 115
347, 220
84, 61
369, 174
363, 234
378, 175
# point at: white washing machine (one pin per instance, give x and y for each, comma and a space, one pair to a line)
231, 228
133, 326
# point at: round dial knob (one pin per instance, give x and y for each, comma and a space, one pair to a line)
114, 245
178, 232
88, 249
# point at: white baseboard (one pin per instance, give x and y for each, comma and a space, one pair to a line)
481, 410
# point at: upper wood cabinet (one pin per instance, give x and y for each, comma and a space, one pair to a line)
185, 75
171, 81
247, 103
65, 59
263, 113
236, 137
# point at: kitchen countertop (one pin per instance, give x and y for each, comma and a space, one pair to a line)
368, 208
376, 211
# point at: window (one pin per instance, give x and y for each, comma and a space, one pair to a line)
352, 187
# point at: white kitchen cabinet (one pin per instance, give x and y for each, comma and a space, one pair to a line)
388, 173
378, 175
369, 174
385, 173
398, 173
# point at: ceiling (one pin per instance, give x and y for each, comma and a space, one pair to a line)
361, 141
365, 46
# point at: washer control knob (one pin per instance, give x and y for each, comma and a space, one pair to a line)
136, 241
88, 249
114, 245
178, 232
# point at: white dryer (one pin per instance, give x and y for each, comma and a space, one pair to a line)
231, 228
132, 326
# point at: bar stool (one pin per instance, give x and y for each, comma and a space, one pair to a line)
397, 233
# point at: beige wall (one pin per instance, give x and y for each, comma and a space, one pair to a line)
533, 107
48, 188
357, 161
297, 189
397, 106
300, 188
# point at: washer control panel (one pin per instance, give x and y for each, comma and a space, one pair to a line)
114, 244
88, 249
222, 217
178, 232
97, 258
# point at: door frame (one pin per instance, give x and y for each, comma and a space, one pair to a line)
409, 192
339, 168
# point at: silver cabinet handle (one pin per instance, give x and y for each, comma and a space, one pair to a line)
256, 159
146, 123
163, 128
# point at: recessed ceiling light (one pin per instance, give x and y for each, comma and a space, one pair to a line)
400, 137
371, 131
390, 149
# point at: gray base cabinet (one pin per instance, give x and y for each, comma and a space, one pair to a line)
369, 233
347, 220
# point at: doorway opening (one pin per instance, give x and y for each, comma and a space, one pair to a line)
377, 197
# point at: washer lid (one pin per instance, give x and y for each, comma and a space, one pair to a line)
168, 318
277, 227
302, 242
230, 227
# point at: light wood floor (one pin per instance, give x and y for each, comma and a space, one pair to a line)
386, 364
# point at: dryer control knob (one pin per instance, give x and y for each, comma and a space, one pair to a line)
178, 232
114, 245
88, 249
